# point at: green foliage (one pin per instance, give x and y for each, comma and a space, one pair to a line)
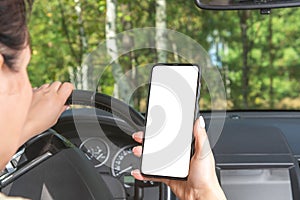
271, 46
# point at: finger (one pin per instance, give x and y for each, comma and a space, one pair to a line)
55, 85
138, 136
44, 86
137, 151
137, 175
64, 108
202, 147
65, 90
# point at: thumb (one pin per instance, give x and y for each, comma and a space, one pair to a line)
202, 146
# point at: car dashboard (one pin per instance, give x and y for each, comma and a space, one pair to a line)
257, 153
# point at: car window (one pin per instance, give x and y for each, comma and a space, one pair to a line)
254, 57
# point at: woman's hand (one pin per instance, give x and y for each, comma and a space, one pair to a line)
202, 182
48, 102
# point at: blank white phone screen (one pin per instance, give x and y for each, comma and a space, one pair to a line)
170, 119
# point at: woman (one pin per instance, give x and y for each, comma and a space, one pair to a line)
25, 112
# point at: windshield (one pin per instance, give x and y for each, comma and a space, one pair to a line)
250, 61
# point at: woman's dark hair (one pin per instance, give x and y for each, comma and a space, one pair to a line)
14, 35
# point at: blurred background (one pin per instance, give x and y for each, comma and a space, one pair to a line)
257, 55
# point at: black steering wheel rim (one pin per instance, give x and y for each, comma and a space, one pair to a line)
110, 104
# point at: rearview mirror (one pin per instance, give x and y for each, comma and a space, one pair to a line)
245, 4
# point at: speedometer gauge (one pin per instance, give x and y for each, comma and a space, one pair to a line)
96, 150
123, 163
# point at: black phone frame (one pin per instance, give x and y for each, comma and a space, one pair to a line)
196, 114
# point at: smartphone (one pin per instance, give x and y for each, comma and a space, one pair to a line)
174, 93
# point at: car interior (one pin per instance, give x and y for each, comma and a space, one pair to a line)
88, 153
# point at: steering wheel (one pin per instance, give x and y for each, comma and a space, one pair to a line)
42, 157
118, 109
107, 103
